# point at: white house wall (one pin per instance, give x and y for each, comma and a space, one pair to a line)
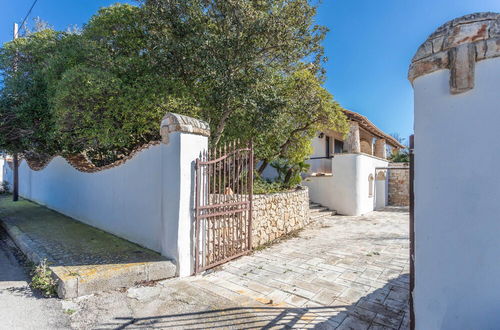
125, 200
457, 209
347, 190
148, 200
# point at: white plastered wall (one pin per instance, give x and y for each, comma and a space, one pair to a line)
381, 192
457, 208
347, 190
147, 200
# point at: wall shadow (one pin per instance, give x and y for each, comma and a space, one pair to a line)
384, 308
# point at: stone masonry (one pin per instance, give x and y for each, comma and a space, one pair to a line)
275, 215
399, 184
457, 46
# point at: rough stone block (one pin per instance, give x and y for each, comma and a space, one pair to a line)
467, 33
462, 67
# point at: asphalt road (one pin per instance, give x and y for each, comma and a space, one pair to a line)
21, 308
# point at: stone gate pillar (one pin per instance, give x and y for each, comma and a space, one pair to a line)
456, 80
380, 149
353, 142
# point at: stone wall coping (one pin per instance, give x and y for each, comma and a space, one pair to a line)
457, 45
173, 122
400, 165
277, 194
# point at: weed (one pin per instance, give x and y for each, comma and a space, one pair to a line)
69, 311
41, 279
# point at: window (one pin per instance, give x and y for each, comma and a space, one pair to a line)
339, 146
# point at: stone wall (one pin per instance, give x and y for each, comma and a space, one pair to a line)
399, 184
275, 215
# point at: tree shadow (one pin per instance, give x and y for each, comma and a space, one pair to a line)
384, 308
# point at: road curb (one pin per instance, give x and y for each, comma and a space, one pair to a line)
76, 281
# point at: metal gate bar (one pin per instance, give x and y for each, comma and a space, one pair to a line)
223, 209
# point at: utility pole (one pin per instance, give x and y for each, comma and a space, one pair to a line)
15, 188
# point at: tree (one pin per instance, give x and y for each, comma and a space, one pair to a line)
252, 69
110, 99
400, 156
25, 107
294, 110
226, 50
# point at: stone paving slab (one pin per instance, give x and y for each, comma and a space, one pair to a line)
83, 259
341, 273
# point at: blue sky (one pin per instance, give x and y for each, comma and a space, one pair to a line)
369, 46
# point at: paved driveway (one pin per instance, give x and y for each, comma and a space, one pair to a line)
340, 273
345, 272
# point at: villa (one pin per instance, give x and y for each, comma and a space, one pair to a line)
349, 175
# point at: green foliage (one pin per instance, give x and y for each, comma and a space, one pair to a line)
261, 186
113, 101
230, 52
290, 113
96, 92
289, 173
252, 69
401, 156
42, 279
26, 123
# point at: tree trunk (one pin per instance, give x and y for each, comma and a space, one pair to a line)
15, 188
263, 166
288, 176
220, 127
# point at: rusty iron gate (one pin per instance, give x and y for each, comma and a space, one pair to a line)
223, 212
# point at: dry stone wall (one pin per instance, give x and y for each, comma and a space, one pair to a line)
275, 215
399, 184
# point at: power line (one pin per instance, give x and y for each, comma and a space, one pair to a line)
26, 17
